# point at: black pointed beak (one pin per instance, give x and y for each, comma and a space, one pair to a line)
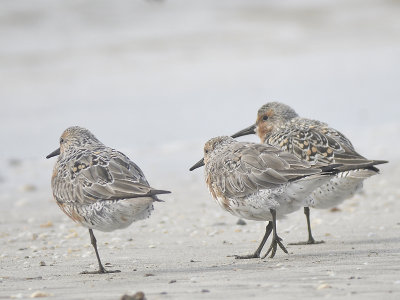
54, 153
249, 130
199, 164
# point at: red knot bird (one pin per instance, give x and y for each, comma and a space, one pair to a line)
259, 182
279, 125
99, 187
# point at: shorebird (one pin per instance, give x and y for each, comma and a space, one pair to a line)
99, 187
259, 182
315, 142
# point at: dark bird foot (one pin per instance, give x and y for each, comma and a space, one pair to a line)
248, 256
101, 271
274, 245
309, 242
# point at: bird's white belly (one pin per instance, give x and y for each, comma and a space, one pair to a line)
258, 206
284, 199
109, 215
341, 187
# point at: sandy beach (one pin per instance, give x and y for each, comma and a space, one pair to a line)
156, 89
184, 250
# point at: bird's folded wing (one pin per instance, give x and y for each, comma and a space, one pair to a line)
316, 143
118, 178
247, 170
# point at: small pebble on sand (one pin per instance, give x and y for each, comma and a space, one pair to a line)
39, 294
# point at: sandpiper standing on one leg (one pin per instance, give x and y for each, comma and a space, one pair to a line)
279, 125
99, 187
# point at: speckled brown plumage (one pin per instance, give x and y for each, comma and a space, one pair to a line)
315, 142
259, 182
97, 186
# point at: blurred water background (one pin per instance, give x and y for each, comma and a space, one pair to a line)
156, 79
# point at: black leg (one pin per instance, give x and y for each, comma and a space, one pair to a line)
101, 268
310, 237
94, 243
276, 240
256, 254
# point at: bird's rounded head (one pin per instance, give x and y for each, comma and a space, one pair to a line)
271, 116
75, 137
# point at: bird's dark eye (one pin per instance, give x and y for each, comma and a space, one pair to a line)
61, 140
206, 151
265, 118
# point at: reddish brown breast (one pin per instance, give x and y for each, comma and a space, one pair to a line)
218, 195
71, 212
